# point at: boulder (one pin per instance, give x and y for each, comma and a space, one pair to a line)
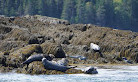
38, 68
17, 57
53, 48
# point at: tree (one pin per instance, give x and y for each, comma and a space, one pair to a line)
69, 10
100, 13
89, 13
80, 11
134, 15
59, 8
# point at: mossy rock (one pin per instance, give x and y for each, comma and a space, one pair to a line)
2, 59
9, 45
38, 68
17, 57
53, 48
4, 69
19, 34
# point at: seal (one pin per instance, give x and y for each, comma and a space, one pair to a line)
53, 66
127, 61
96, 48
90, 70
63, 61
78, 57
38, 57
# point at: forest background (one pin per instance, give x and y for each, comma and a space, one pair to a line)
118, 14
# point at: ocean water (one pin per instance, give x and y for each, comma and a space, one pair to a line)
116, 74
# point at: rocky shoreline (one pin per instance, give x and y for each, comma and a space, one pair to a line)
21, 37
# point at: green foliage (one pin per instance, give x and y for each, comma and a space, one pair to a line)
120, 14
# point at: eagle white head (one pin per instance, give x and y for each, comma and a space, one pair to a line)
94, 47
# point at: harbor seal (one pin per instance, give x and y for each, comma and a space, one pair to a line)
96, 48
53, 66
63, 61
38, 57
90, 70
78, 57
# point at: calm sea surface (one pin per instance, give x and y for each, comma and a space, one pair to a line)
117, 74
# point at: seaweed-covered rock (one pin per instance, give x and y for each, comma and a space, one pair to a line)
4, 29
4, 69
36, 39
17, 57
9, 45
2, 59
52, 48
38, 68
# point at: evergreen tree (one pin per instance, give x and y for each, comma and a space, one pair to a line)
119, 14
80, 11
59, 7
69, 10
89, 13
100, 13
135, 15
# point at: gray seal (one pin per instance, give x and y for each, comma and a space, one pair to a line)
53, 66
38, 57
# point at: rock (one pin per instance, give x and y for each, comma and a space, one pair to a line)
36, 39
64, 40
38, 68
1, 36
81, 27
2, 59
18, 32
4, 69
9, 45
4, 29
52, 48
17, 57
51, 20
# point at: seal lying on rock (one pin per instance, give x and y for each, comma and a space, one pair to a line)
96, 48
38, 57
78, 57
63, 61
90, 70
127, 61
53, 66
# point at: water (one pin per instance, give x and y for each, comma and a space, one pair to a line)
117, 74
